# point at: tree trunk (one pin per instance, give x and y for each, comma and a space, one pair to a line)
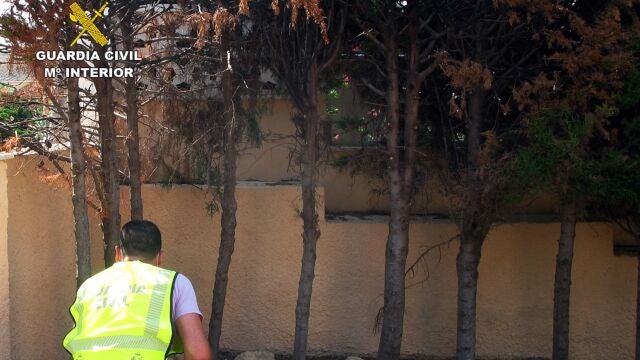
394, 275
401, 146
638, 306
562, 284
109, 170
133, 138
228, 220
398, 238
474, 227
311, 233
79, 191
467, 264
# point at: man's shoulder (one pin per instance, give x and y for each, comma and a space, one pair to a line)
184, 298
118, 268
182, 281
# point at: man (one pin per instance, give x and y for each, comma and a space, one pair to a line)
131, 310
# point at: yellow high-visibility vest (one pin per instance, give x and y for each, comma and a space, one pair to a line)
123, 312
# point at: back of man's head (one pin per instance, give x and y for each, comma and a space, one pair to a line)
141, 239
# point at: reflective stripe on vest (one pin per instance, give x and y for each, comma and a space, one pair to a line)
123, 312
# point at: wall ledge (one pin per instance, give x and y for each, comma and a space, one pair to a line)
25, 152
7, 155
383, 218
376, 218
239, 184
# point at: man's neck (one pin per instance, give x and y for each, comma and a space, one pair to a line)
146, 261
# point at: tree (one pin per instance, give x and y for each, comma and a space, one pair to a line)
213, 113
298, 52
487, 50
224, 33
395, 44
134, 21
568, 126
554, 160
622, 175
615, 170
110, 178
229, 207
25, 27
39, 27
79, 193
131, 94
228, 39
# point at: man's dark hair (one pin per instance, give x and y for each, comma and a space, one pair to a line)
140, 238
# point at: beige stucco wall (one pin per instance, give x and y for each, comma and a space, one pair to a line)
5, 312
514, 300
41, 262
345, 192
272, 162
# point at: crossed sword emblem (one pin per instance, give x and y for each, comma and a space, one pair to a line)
78, 15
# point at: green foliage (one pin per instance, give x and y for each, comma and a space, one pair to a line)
630, 96
342, 162
253, 112
346, 128
253, 132
17, 112
333, 93
331, 85
202, 170
554, 155
175, 177
615, 177
360, 131
332, 110
564, 152
614, 181
619, 174
631, 93
212, 207
7, 24
11, 114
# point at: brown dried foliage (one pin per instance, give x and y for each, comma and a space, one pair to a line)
92, 154
223, 19
552, 9
533, 95
243, 7
275, 5
12, 143
490, 147
56, 180
211, 25
467, 75
311, 8
35, 27
313, 11
591, 62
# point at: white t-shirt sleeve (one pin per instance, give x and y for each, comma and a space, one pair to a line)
184, 298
